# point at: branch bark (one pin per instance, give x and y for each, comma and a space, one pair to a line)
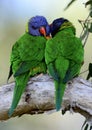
39, 97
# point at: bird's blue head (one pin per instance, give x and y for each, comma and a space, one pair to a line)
56, 24
38, 26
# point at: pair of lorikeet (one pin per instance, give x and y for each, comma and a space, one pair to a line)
36, 52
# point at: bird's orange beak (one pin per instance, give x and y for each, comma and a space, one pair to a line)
43, 32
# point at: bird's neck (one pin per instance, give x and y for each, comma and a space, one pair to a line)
67, 25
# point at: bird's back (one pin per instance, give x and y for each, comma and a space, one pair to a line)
28, 49
31, 47
68, 45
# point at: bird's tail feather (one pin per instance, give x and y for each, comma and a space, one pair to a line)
60, 88
20, 85
10, 73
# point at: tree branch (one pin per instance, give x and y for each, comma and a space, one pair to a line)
39, 97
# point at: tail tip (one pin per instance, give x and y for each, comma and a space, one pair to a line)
58, 108
10, 112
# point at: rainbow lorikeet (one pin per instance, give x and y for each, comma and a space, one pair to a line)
64, 56
27, 56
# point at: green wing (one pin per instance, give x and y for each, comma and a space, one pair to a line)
73, 71
57, 66
26, 66
27, 59
33, 49
27, 52
65, 52
53, 72
33, 66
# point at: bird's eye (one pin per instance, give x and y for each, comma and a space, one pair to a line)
33, 27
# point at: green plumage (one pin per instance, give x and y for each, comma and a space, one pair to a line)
64, 56
27, 59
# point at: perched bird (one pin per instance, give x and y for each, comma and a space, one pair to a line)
28, 56
90, 71
64, 56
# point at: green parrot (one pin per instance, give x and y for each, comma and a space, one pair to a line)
64, 56
28, 56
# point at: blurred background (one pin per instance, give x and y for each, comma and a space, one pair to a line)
13, 18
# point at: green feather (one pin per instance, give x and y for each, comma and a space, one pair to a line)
27, 59
29, 65
65, 52
53, 72
20, 85
60, 88
25, 66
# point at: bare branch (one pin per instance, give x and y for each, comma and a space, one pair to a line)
39, 97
